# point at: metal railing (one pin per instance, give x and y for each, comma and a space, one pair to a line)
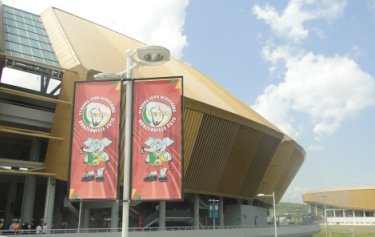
138, 229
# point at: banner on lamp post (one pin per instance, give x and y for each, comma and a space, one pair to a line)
157, 139
94, 155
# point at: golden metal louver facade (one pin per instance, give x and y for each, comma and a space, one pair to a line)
361, 198
228, 148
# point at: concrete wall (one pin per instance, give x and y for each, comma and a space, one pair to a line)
245, 215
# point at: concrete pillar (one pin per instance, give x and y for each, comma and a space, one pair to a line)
30, 184
28, 199
114, 215
59, 203
196, 211
85, 216
162, 214
11, 197
50, 202
221, 211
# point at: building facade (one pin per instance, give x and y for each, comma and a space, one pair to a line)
231, 153
350, 206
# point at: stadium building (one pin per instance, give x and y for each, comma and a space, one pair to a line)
347, 206
231, 153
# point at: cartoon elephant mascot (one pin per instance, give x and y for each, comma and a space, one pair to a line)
95, 159
157, 158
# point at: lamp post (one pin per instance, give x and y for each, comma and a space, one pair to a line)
213, 209
325, 214
274, 208
146, 56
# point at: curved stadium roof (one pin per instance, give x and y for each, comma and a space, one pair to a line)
347, 198
229, 149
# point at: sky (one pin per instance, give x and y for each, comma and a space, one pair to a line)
308, 66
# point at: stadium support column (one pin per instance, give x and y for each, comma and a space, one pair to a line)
196, 211
28, 199
50, 201
10, 205
221, 214
30, 184
162, 212
114, 215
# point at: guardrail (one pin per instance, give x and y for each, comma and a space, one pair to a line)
139, 229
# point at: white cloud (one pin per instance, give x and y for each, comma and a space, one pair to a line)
329, 90
290, 24
161, 22
371, 4
313, 147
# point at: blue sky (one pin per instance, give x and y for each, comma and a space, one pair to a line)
305, 65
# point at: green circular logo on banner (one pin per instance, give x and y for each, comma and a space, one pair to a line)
156, 113
96, 114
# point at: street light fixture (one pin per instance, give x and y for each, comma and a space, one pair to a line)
146, 56
274, 208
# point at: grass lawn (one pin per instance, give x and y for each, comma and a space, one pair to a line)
347, 231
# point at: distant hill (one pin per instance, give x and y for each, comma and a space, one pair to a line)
286, 207
292, 212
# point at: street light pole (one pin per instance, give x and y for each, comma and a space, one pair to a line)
127, 141
274, 208
147, 56
274, 213
325, 217
325, 213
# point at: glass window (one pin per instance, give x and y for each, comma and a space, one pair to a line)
8, 9
11, 22
36, 18
12, 30
37, 52
27, 16
348, 213
18, 13
369, 214
45, 46
358, 213
25, 41
339, 213
12, 38
26, 49
34, 44
33, 36
329, 213
21, 25
47, 55
15, 47
22, 33
30, 28
40, 31
29, 57
17, 54
9, 15
39, 60
7, 47
19, 18
43, 38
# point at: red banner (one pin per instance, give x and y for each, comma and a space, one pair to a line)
95, 140
157, 140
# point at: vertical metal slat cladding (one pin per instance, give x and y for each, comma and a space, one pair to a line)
241, 157
192, 124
